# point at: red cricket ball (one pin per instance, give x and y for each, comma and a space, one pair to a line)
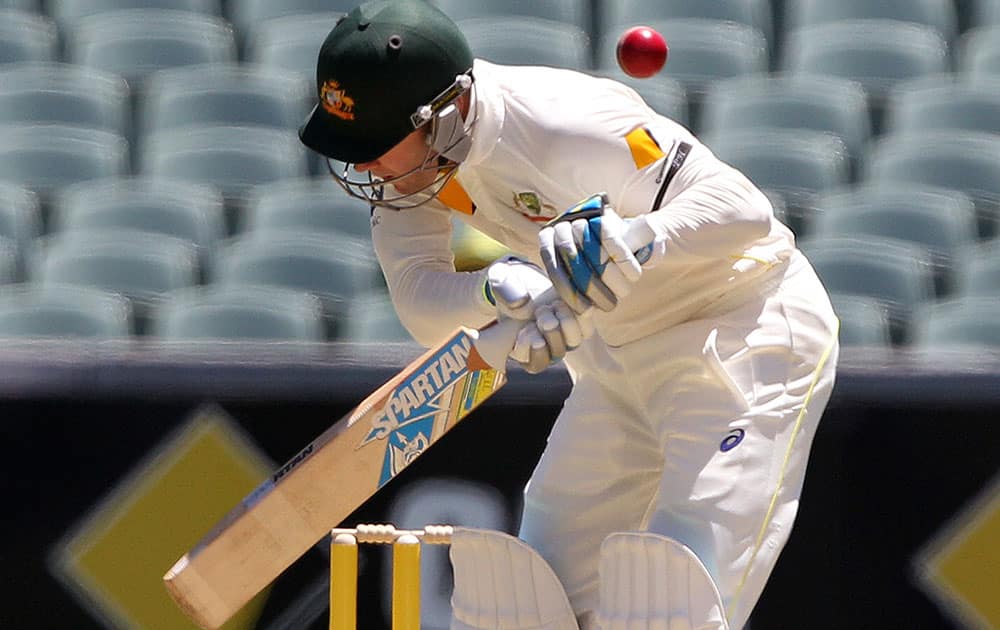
641, 52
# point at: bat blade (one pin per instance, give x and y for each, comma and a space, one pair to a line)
330, 478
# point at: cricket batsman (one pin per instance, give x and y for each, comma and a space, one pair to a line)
701, 361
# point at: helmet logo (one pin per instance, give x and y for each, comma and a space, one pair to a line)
336, 101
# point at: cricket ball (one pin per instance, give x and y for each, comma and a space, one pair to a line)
641, 52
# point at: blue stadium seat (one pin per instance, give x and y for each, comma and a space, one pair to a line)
20, 220
863, 321
62, 93
373, 319
246, 15
940, 15
191, 212
795, 164
233, 159
942, 102
27, 36
964, 161
980, 275
290, 43
979, 52
702, 51
63, 311
575, 12
876, 53
831, 104
67, 12
315, 205
47, 157
941, 221
239, 312
960, 323
136, 42
620, 14
140, 266
224, 94
897, 274
336, 271
520, 40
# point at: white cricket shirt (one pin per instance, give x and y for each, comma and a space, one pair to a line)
547, 138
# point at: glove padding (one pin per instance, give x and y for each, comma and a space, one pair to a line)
551, 329
577, 247
554, 331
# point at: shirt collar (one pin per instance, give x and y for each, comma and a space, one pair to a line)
488, 101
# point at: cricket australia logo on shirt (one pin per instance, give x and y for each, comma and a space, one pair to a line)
407, 419
528, 204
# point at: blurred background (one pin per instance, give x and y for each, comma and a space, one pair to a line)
186, 298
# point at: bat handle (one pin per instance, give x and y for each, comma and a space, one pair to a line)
496, 340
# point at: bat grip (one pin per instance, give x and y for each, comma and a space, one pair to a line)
496, 340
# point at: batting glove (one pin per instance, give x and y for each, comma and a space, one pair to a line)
586, 257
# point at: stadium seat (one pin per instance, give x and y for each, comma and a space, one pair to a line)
984, 13
575, 12
876, 53
315, 205
940, 15
136, 42
290, 43
239, 312
863, 320
941, 221
62, 93
9, 256
224, 94
140, 266
335, 270
831, 104
47, 157
20, 219
979, 52
63, 311
192, 212
67, 12
942, 102
980, 275
664, 94
897, 274
246, 15
520, 40
960, 323
757, 14
796, 164
701, 52
33, 6
27, 36
233, 159
963, 161
373, 319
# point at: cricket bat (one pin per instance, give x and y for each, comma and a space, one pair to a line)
342, 468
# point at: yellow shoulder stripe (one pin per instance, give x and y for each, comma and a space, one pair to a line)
455, 197
644, 149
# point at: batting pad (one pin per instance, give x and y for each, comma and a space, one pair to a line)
503, 584
651, 582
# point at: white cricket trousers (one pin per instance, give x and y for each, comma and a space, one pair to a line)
700, 432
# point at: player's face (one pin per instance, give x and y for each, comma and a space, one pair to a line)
409, 155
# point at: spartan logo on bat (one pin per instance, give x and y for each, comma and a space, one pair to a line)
406, 451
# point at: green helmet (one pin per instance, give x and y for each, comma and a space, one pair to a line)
378, 70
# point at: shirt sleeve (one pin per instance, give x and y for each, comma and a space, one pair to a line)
431, 298
706, 209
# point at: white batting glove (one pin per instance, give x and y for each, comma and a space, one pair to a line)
514, 285
554, 331
586, 257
